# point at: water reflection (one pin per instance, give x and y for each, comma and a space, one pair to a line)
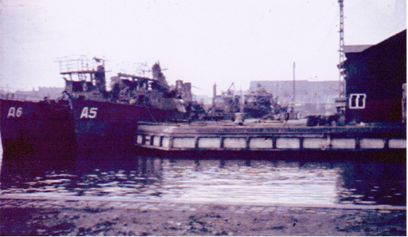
209, 180
244, 181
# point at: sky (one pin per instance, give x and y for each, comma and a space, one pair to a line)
200, 41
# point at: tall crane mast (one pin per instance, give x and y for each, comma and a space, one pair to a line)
294, 87
341, 100
341, 50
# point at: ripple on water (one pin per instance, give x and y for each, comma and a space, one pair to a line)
241, 181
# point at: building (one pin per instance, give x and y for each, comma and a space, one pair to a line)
311, 97
34, 95
375, 76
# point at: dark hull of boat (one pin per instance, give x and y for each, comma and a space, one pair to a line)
111, 126
33, 127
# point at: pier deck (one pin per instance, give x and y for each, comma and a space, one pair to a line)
268, 136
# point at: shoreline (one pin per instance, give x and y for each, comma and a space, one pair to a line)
33, 197
100, 216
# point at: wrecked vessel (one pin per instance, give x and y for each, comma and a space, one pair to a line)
108, 119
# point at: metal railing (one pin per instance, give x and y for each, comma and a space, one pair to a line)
76, 64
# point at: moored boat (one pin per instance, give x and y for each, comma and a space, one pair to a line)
35, 126
108, 119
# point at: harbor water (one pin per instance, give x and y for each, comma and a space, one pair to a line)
281, 180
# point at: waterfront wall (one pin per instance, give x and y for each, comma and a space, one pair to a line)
268, 139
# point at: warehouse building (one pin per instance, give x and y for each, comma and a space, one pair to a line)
375, 81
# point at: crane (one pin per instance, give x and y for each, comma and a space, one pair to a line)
341, 50
341, 99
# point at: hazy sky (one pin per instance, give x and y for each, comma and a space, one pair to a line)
204, 42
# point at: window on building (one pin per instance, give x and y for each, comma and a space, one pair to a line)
357, 101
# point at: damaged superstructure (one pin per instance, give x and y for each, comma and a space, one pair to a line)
108, 118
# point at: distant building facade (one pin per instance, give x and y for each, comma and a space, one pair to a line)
35, 95
375, 76
311, 97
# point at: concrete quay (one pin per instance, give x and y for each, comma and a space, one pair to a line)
270, 136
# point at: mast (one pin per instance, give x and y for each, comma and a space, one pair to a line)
341, 51
341, 100
294, 87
